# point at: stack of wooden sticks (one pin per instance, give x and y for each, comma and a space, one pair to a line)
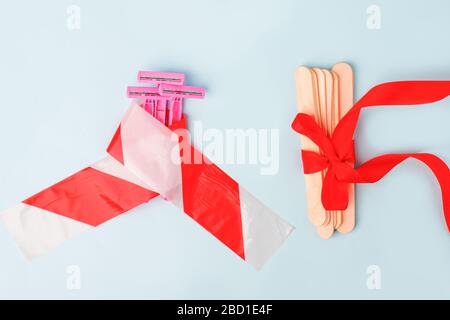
326, 95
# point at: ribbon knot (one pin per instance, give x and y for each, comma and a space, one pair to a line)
338, 166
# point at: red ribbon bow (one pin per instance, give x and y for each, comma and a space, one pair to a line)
337, 153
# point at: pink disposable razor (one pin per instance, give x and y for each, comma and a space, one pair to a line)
177, 93
164, 101
148, 94
154, 102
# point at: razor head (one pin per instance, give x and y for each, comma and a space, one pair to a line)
144, 93
161, 77
175, 91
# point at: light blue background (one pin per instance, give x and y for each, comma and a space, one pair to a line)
63, 94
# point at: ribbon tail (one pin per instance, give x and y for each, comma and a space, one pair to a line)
399, 93
376, 168
334, 192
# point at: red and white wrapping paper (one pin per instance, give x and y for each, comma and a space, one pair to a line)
148, 159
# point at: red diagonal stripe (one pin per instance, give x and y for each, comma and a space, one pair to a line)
212, 199
91, 196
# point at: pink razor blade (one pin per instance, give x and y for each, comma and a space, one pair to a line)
161, 77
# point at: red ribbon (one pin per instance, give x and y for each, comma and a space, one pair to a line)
337, 153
